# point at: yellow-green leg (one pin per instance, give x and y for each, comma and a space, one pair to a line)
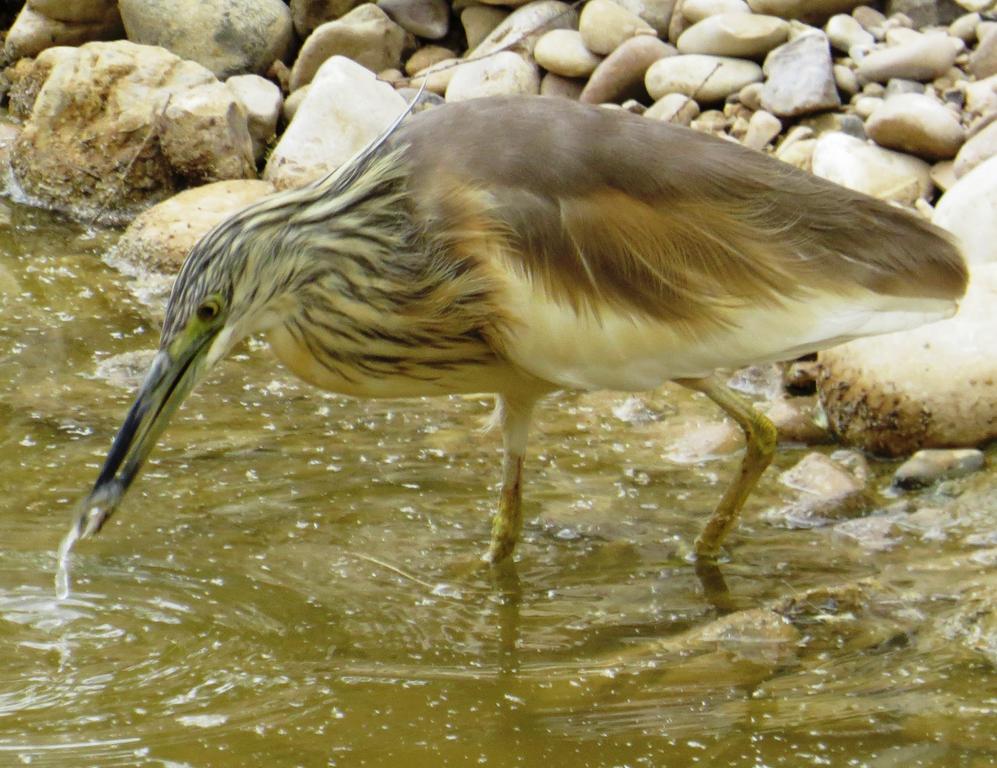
761, 436
514, 417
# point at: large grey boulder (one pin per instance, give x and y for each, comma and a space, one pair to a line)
229, 37
112, 127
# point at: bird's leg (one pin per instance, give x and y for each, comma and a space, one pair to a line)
514, 416
760, 434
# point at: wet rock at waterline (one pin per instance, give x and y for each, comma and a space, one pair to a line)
110, 128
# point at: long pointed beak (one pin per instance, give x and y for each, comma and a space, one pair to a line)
169, 380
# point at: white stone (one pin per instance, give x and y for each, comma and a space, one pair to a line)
32, 32
524, 26
604, 25
843, 31
562, 52
437, 76
763, 127
204, 134
924, 59
674, 108
918, 124
503, 74
979, 148
981, 96
366, 35
657, 13
621, 74
969, 211
262, 101
345, 109
704, 78
734, 34
697, 10
864, 167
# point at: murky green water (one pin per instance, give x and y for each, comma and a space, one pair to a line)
289, 582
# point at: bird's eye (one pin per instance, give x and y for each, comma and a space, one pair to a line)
208, 311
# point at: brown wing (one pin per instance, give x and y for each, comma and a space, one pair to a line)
607, 208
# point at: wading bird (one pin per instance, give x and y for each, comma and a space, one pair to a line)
524, 245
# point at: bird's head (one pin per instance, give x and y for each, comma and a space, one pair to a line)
220, 297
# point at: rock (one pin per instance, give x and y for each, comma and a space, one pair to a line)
479, 21
99, 137
826, 491
308, 15
806, 10
796, 420
33, 31
845, 79
604, 25
562, 52
915, 123
980, 147
293, 101
429, 19
427, 56
898, 85
436, 76
674, 108
204, 135
864, 106
261, 100
620, 75
844, 32
704, 78
502, 74
969, 211
365, 35
943, 175
799, 77
750, 96
562, 87
983, 61
524, 26
734, 34
877, 533
872, 21
763, 127
924, 59
981, 97
964, 27
161, 237
346, 107
693, 440
798, 150
229, 37
934, 386
657, 13
697, 10
928, 466
877, 172
73, 11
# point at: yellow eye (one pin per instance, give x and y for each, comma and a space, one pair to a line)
208, 310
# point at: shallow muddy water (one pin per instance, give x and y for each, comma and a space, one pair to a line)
292, 580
